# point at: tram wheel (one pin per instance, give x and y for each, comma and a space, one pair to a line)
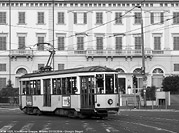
24, 110
38, 112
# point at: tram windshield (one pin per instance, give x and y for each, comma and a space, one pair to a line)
106, 83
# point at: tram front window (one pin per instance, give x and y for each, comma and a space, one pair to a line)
100, 83
109, 79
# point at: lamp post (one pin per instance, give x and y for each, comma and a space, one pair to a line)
143, 57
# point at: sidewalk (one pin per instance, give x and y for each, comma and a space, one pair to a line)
174, 108
8, 105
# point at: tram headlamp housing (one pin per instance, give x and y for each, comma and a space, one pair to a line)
110, 101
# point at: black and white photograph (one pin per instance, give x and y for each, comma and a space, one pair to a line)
89, 66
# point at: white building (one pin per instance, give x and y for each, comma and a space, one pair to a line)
87, 33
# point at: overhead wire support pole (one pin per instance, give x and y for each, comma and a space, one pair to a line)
143, 57
9, 82
53, 60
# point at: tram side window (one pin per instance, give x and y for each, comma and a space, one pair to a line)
56, 86
64, 86
100, 83
109, 79
32, 86
73, 84
36, 85
69, 85
27, 86
116, 83
24, 87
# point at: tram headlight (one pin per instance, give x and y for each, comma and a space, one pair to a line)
110, 101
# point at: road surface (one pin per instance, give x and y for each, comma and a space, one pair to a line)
13, 120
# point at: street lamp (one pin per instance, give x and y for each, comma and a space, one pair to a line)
143, 57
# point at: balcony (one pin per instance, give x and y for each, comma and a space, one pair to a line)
22, 53
109, 53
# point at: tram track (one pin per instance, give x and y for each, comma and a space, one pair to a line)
155, 124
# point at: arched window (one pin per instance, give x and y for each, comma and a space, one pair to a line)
122, 81
21, 71
157, 77
157, 71
120, 70
139, 80
137, 70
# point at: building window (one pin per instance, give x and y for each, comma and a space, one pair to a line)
138, 42
176, 67
2, 67
61, 43
137, 18
120, 70
40, 66
40, 40
176, 43
80, 43
3, 42
21, 42
158, 71
157, 17
176, 18
99, 18
157, 43
61, 18
139, 80
118, 41
61, 66
2, 83
40, 17
157, 77
80, 18
21, 18
118, 18
2, 17
99, 44
21, 71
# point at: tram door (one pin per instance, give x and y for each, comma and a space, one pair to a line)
47, 95
87, 92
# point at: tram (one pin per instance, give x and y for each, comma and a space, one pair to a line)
78, 92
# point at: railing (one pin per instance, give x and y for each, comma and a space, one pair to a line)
21, 52
117, 52
157, 52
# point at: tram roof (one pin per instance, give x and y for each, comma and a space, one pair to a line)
69, 71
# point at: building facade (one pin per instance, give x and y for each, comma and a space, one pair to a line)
88, 33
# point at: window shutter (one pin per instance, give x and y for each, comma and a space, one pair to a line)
61, 42
152, 18
118, 43
2, 43
162, 17
85, 18
75, 18
21, 42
